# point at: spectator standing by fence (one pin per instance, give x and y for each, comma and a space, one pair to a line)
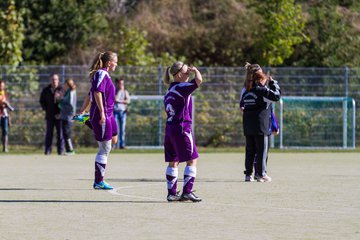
67, 111
122, 99
5, 120
49, 101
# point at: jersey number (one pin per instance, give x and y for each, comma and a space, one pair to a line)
171, 112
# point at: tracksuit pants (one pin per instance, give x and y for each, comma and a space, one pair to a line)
257, 147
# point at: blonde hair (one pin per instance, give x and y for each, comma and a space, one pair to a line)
173, 70
70, 83
100, 61
253, 75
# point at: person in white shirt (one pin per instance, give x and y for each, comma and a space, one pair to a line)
122, 99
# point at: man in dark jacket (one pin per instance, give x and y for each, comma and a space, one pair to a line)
49, 103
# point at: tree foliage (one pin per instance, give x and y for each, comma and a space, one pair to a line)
281, 29
55, 28
11, 34
334, 40
212, 32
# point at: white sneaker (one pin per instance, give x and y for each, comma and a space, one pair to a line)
249, 178
264, 178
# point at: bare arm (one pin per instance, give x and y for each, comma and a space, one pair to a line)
85, 105
127, 100
198, 77
99, 103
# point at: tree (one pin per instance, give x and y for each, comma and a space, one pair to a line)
212, 33
224, 33
334, 41
56, 28
282, 29
11, 34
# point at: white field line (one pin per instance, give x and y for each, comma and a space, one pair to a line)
115, 192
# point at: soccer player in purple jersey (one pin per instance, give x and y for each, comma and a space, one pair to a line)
101, 99
179, 143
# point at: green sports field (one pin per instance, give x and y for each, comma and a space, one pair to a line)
313, 196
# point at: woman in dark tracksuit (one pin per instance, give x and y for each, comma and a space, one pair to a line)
256, 102
67, 111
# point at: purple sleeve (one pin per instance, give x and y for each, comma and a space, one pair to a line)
186, 88
99, 81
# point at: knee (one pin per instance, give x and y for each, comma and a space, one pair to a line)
173, 164
192, 162
114, 140
104, 148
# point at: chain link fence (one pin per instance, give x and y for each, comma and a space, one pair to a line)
218, 121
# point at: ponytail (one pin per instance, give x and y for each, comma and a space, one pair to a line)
248, 80
173, 71
100, 62
252, 75
167, 76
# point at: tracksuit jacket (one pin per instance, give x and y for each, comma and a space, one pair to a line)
257, 108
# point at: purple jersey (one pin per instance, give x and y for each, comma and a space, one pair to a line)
179, 143
103, 83
178, 103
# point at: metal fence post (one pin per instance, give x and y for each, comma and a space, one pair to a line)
353, 123
62, 74
281, 123
346, 81
160, 103
345, 112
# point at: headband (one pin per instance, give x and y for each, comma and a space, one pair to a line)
179, 70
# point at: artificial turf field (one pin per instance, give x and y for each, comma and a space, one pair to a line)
312, 196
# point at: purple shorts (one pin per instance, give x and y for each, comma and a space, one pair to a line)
105, 132
179, 144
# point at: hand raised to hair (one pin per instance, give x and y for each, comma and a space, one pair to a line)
192, 69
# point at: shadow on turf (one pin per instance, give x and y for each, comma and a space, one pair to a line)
19, 189
41, 189
160, 180
75, 201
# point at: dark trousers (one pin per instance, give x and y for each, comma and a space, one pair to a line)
4, 122
66, 128
257, 147
50, 124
